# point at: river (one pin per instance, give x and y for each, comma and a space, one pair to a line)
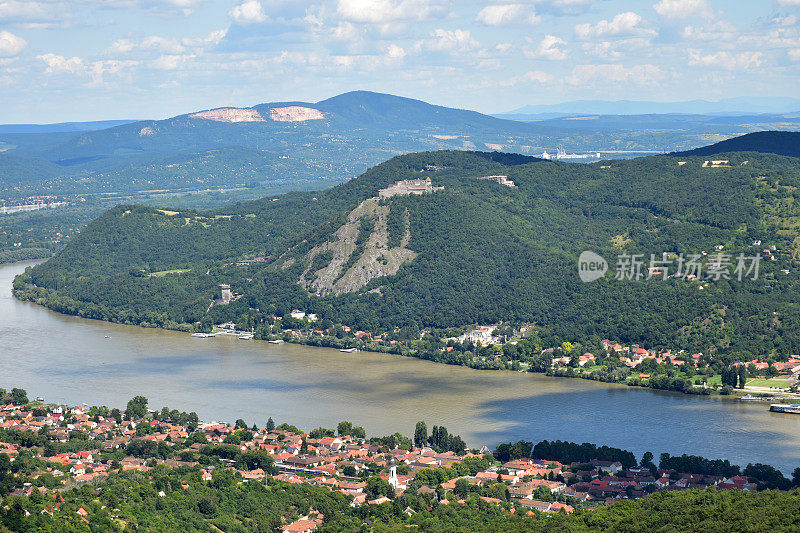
70, 360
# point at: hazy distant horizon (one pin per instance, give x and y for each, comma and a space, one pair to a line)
778, 105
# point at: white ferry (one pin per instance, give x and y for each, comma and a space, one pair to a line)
793, 408
349, 350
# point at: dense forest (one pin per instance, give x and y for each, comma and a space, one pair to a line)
483, 253
227, 504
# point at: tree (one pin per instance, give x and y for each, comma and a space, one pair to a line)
796, 477
192, 421
19, 396
647, 461
6, 477
462, 487
270, 425
137, 407
457, 444
420, 434
730, 377
344, 428
742, 375
377, 486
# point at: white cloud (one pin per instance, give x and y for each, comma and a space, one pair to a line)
10, 44
532, 76
726, 60
162, 44
789, 20
549, 48
682, 9
537, 76
603, 50
395, 52
721, 31
122, 46
57, 64
170, 61
794, 54
33, 14
383, 11
615, 74
344, 31
14, 10
248, 12
448, 40
623, 24
167, 45
502, 14
96, 70
789, 3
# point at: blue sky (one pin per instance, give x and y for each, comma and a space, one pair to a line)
99, 59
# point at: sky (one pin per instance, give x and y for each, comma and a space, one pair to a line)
77, 60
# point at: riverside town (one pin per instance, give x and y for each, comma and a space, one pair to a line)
62, 465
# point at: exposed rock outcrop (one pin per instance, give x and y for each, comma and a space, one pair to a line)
376, 259
230, 114
295, 114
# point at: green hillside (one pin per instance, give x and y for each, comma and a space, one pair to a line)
474, 252
771, 142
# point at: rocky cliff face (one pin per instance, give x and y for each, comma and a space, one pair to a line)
230, 114
358, 253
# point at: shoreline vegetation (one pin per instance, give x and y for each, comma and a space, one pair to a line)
513, 347
79, 468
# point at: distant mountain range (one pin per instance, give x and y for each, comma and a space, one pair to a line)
61, 126
333, 139
727, 106
303, 145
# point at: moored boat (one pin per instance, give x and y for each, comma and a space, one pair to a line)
793, 408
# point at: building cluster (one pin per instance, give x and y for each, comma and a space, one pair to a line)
340, 463
502, 180
634, 355
406, 187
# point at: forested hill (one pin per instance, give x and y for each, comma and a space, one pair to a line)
471, 251
769, 142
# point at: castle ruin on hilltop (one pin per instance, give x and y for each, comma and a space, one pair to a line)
405, 187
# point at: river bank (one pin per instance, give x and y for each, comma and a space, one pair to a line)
67, 359
430, 349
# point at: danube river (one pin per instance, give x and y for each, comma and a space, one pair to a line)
72, 360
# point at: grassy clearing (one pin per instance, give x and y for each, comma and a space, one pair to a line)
163, 273
776, 383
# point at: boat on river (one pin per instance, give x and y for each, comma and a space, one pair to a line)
793, 408
348, 350
750, 397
